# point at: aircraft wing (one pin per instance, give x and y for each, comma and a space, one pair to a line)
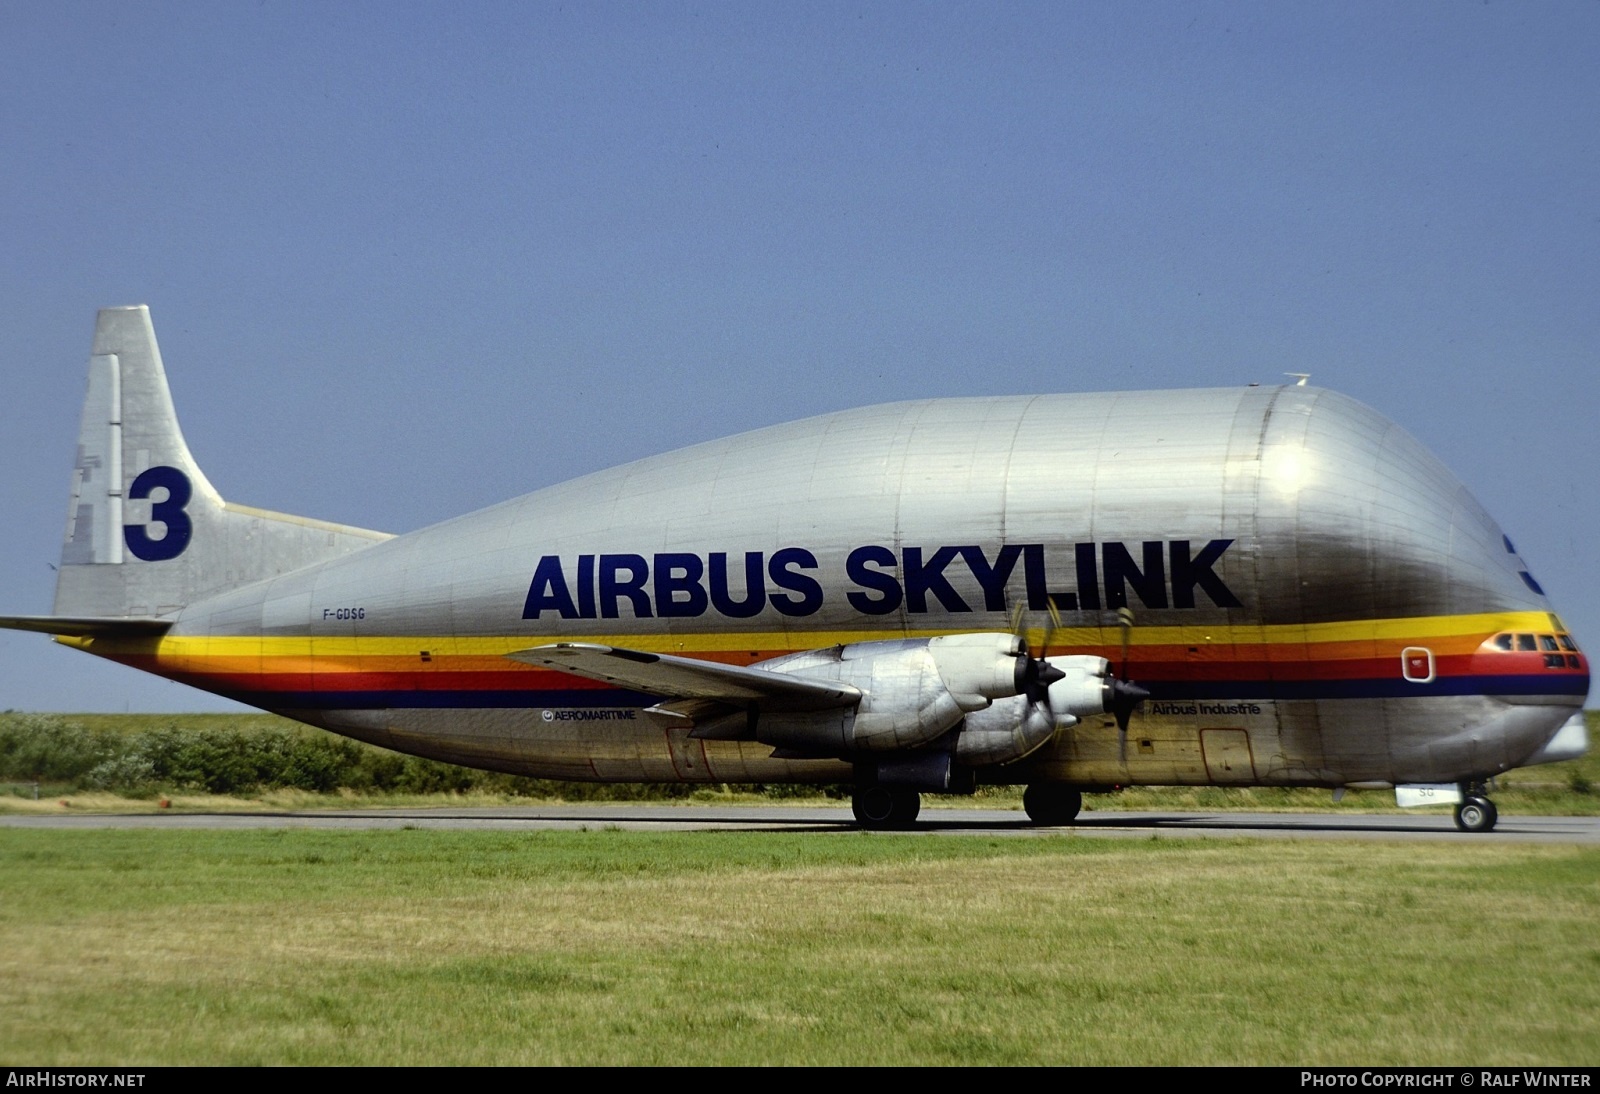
686, 678
87, 626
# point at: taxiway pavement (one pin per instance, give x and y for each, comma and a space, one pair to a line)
824, 819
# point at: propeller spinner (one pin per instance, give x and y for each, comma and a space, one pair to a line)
1035, 674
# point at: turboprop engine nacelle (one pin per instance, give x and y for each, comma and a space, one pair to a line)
1011, 728
1084, 689
912, 691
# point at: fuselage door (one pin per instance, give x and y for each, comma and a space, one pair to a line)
1227, 756
1416, 664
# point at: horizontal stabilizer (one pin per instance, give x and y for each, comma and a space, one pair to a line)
686, 678
86, 626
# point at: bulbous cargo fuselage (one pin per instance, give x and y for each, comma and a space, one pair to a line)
1315, 599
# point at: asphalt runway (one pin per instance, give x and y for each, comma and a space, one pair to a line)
934, 821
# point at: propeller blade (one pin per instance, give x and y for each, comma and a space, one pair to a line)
1035, 674
1126, 696
1050, 627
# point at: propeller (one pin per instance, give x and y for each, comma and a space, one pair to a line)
1126, 696
1035, 674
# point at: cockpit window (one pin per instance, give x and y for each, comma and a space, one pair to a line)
1559, 650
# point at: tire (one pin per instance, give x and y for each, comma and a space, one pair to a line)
873, 806
907, 804
1476, 815
885, 807
1051, 805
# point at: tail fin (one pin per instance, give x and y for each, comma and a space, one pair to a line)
147, 533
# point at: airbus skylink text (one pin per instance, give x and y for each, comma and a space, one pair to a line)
1463, 1079
1165, 574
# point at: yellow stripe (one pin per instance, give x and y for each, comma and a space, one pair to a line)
1409, 629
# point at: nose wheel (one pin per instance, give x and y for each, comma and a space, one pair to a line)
1476, 813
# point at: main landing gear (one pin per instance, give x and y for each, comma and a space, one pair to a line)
885, 806
1476, 813
1051, 804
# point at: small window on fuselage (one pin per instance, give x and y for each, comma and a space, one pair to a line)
1525, 642
1503, 641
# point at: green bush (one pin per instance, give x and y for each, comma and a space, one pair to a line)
219, 760
36, 746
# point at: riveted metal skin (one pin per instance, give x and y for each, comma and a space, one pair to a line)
1315, 597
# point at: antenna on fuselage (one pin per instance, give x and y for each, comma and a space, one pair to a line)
1302, 378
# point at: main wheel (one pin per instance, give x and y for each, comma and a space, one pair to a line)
907, 804
872, 805
1051, 804
885, 806
1476, 815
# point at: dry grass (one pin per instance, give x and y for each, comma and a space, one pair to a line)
618, 947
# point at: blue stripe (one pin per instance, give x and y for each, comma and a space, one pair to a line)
1574, 685
1268, 690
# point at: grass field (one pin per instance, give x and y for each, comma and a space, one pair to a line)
433, 947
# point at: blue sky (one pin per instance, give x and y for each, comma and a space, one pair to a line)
406, 260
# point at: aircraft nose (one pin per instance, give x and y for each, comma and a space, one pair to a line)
1570, 742
1534, 662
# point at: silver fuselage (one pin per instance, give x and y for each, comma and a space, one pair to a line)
1315, 598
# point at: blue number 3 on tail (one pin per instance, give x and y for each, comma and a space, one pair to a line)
169, 512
